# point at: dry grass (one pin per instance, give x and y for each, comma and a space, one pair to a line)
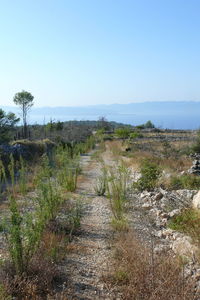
54, 245
170, 164
37, 283
115, 147
141, 275
42, 276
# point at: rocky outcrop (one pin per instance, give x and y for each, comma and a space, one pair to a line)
183, 246
196, 200
156, 209
28, 150
195, 169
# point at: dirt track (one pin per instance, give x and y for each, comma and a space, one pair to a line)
92, 253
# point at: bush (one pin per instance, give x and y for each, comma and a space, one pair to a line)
7, 126
150, 172
122, 133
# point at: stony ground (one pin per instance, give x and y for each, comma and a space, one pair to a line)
92, 253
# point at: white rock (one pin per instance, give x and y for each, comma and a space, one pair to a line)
146, 206
161, 222
174, 212
196, 200
184, 247
176, 235
164, 215
186, 193
164, 192
156, 212
167, 233
160, 248
144, 194
159, 234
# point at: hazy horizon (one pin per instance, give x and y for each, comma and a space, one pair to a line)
174, 115
105, 104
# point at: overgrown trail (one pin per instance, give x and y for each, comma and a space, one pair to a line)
91, 252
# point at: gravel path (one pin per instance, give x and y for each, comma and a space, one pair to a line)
92, 253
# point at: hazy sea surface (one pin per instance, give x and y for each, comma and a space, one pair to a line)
164, 121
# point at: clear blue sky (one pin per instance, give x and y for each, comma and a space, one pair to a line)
83, 52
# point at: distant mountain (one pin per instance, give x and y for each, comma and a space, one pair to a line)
174, 115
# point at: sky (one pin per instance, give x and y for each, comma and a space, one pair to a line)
88, 52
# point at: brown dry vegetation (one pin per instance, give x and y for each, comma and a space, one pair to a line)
140, 274
169, 155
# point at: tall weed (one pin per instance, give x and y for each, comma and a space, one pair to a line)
117, 189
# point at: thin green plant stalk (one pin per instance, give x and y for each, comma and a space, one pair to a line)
11, 168
15, 237
117, 189
22, 177
3, 178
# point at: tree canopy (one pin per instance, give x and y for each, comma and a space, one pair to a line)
7, 123
24, 100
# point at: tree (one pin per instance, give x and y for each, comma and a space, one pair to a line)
7, 123
103, 123
149, 124
25, 101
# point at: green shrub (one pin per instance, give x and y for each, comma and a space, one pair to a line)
122, 133
150, 172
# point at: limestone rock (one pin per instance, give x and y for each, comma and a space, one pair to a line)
195, 169
174, 212
183, 246
196, 200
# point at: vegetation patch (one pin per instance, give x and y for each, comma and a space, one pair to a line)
150, 173
187, 222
